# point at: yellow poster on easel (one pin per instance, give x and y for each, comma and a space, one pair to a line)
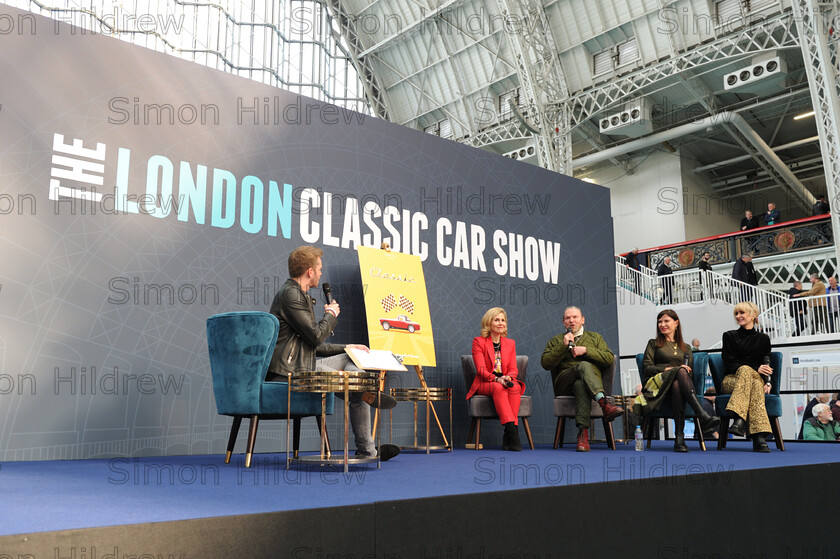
397, 306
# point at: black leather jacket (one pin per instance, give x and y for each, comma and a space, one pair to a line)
300, 338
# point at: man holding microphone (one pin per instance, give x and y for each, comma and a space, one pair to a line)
577, 360
301, 344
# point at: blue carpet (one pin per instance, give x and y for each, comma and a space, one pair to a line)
61, 495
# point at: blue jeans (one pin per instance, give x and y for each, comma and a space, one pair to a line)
359, 410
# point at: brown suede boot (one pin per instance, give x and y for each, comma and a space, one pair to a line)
610, 411
583, 440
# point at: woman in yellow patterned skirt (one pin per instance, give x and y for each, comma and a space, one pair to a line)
747, 376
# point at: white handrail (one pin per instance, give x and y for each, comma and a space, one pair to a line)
694, 286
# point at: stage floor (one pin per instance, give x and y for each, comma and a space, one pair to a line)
69, 495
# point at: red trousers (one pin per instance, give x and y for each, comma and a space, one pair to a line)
505, 399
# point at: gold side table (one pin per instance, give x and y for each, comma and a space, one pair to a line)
427, 395
324, 382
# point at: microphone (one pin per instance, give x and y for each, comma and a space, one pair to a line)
572, 341
327, 292
686, 355
767, 362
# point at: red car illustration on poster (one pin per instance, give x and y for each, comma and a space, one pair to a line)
402, 322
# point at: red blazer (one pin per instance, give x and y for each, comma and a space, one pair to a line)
484, 357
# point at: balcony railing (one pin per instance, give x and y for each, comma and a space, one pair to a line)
791, 236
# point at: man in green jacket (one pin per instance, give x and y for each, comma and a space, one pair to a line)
821, 427
577, 360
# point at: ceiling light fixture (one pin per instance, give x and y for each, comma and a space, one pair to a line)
803, 115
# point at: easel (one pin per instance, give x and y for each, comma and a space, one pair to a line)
410, 267
419, 370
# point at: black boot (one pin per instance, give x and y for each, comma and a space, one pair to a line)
513, 437
738, 427
679, 436
759, 444
707, 422
506, 437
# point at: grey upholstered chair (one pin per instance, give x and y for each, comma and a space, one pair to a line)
564, 407
481, 407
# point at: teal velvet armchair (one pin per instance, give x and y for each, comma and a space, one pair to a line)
240, 346
701, 364
772, 401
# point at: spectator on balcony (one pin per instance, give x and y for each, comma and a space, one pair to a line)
748, 222
632, 262
772, 215
820, 207
798, 309
704, 266
833, 300
663, 271
744, 272
817, 306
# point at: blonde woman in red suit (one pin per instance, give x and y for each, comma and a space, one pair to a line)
494, 355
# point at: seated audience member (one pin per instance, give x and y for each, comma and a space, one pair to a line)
772, 215
494, 355
835, 407
747, 377
748, 221
695, 345
667, 362
821, 427
821, 398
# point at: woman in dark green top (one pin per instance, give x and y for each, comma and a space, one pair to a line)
667, 373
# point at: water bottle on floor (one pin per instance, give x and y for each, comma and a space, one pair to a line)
640, 439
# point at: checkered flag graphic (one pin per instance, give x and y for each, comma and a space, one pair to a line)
406, 305
388, 303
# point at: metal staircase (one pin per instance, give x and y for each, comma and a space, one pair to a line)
698, 287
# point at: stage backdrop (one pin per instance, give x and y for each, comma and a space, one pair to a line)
141, 194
